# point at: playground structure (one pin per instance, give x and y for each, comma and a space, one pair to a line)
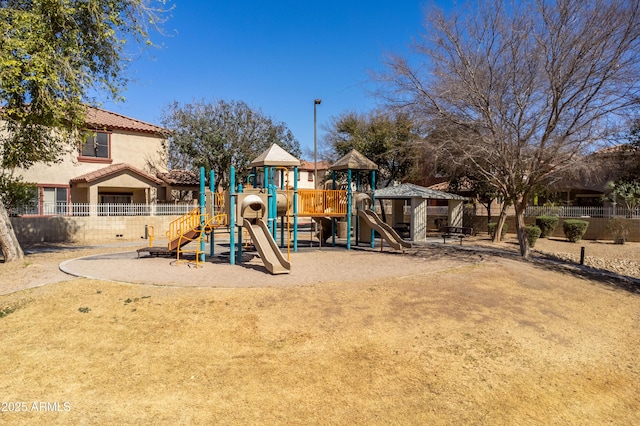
269, 199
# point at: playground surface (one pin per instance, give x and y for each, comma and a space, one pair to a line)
310, 265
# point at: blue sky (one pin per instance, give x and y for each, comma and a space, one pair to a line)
277, 56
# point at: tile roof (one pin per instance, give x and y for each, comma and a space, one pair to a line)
112, 170
309, 165
409, 190
103, 119
178, 177
620, 148
463, 186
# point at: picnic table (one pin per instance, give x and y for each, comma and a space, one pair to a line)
460, 232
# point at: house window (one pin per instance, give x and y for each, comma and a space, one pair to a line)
54, 200
114, 204
96, 147
310, 175
116, 198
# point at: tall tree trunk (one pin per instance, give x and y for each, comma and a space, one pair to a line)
8, 242
497, 236
525, 250
384, 215
488, 206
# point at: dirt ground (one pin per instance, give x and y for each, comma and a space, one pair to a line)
435, 336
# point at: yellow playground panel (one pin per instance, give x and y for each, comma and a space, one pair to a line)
194, 225
322, 203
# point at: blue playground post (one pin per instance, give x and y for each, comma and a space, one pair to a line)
232, 216
238, 252
273, 202
202, 212
267, 186
212, 180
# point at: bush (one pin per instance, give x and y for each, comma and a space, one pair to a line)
618, 229
547, 225
533, 233
492, 229
574, 229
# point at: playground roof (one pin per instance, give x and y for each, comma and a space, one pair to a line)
354, 160
409, 190
275, 156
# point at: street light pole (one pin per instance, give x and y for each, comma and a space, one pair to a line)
315, 147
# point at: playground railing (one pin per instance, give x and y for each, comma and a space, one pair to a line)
184, 224
330, 202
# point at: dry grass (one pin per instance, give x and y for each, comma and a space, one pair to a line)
500, 342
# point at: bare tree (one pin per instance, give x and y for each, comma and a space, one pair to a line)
534, 85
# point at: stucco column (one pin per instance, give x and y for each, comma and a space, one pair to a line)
397, 212
93, 200
418, 219
456, 212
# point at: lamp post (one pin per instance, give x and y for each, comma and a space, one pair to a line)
315, 148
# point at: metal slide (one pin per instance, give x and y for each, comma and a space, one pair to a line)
269, 252
375, 222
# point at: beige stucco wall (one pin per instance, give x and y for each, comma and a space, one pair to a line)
93, 229
130, 148
136, 149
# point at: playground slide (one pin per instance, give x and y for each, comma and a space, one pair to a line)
183, 239
387, 232
269, 252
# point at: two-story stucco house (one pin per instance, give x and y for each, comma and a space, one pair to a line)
111, 166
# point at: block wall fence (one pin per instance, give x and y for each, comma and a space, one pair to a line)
88, 229
109, 229
597, 229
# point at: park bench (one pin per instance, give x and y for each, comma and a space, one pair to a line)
460, 232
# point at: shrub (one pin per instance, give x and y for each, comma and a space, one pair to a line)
574, 229
547, 225
619, 230
492, 229
532, 232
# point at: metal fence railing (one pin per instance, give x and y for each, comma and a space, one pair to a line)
581, 211
311, 203
437, 210
105, 209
